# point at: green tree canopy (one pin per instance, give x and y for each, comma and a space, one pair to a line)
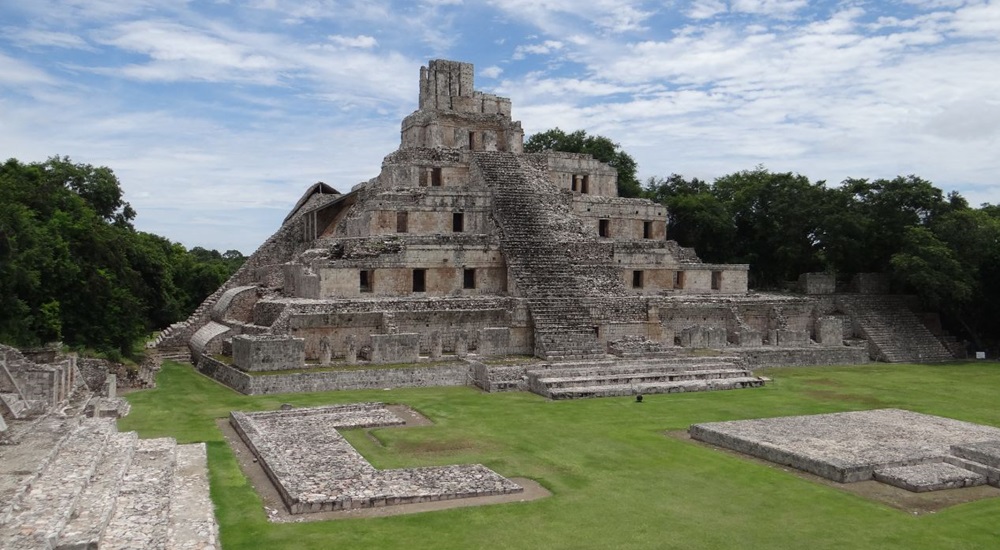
600, 147
73, 268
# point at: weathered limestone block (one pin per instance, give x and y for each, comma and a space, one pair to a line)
698, 336
717, 337
830, 331
748, 338
325, 351
693, 337
436, 345
267, 352
785, 337
396, 348
351, 347
494, 341
817, 283
461, 344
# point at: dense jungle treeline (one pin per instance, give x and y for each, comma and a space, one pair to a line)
932, 244
74, 269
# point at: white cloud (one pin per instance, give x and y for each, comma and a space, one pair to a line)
37, 37
544, 48
14, 72
360, 41
705, 9
771, 8
492, 71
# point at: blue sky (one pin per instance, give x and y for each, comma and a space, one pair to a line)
216, 115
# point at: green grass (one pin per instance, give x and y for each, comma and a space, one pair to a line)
617, 481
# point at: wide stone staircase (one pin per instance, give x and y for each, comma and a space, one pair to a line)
538, 239
895, 334
77, 483
571, 380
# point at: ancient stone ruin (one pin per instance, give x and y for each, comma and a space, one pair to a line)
913, 451
69, 479
316, 470
465, 249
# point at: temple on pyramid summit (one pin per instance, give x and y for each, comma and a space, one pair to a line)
467, 260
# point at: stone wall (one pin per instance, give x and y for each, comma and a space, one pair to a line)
757, 358
817, 283
395, 348
268, 352
456, 374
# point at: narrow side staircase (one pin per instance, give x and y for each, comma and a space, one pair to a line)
894, 333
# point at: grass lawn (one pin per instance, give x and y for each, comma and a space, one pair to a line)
617, 481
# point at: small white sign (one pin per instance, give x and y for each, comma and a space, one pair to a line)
980, 355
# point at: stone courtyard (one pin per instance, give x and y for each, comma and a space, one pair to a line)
316, 470
913, 451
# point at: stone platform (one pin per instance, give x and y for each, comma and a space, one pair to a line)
316, 470
914, 451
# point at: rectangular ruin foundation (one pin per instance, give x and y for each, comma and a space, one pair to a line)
914, 451
316, 470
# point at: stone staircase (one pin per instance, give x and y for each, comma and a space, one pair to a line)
664, 375
895, 334
538, 238
76, 483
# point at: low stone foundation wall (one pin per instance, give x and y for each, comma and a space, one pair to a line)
757, 358
494, 378
316, 470
456, 374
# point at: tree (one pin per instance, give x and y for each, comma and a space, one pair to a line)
600, 147
695, 216
776, 218
73, 268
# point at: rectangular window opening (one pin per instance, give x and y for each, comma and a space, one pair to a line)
604, 228
402, 219
585, 184
458, 222
419, 280
637, 279
365, 281
575, 180
469, 279
716, 280
436, 177
678, 279
647, 230
472, 141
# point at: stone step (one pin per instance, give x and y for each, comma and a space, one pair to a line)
192, 518
934, 476
656, 388
37, 445
984, 452
45, 509
641, 378
97, 502
142, 509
